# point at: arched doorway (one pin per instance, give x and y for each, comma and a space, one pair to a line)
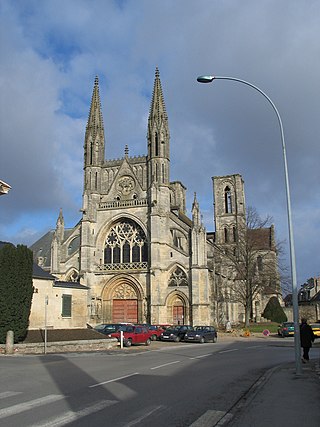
124, 304
177, 308
178, 312
123, 301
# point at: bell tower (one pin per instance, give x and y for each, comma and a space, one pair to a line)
229, 207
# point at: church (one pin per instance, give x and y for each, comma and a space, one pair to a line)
136, 252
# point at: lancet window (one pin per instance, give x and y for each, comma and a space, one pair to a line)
227, 200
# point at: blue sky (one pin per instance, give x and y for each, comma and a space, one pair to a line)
51, 51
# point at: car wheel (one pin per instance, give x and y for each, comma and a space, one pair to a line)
148, 342
214, 339
154, 337
128, 343
201, 340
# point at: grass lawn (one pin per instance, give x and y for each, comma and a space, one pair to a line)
260, 327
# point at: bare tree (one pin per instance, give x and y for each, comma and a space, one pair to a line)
252, 261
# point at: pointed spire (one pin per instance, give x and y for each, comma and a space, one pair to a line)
60, 227
196, 216
158, 109
95, 120
94, 138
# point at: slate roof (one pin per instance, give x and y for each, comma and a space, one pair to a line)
39, 273
69, 285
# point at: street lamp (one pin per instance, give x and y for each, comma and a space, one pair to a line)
209, 79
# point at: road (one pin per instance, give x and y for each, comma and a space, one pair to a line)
166, 384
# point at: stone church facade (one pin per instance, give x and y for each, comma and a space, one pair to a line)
135, 249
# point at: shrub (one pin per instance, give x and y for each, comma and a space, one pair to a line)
274, 312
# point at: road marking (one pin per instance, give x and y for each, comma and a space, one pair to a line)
9, 394
228, 351
255, 346
199, 357
208, 419
138, 420
166, 364
70, 416
21, 407
115, 379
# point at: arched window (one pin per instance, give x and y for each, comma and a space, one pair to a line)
227, 200
260, 263
125, 243
226, 235
156, 144
178, 278
74, 245
234, 233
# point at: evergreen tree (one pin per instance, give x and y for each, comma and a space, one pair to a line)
16, 290
274, 312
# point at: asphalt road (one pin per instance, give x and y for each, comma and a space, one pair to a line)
166, 384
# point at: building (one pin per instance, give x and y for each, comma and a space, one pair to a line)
135, 249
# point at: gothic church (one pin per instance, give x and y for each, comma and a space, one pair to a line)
140, 256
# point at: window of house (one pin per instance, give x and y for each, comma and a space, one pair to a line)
66, 305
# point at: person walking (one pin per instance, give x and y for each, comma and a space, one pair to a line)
306, 338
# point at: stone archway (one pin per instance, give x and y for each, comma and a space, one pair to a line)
122, 301
178, 309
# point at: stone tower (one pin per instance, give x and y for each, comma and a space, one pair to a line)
229, 207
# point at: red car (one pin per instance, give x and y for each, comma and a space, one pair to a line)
133, 334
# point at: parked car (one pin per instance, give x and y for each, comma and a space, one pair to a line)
175, 333
133, 334
108, 328
286, 329
316, 329
156, 331
201, 334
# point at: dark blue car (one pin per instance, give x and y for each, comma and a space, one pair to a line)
201, 334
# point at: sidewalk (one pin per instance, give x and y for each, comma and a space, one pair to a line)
281, 398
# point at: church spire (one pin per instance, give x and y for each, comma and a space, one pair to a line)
94, 138
158, 136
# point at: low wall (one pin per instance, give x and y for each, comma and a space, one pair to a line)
62, 346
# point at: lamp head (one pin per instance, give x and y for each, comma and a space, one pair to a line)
205, 79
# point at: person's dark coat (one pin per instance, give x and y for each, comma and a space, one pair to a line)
306, 335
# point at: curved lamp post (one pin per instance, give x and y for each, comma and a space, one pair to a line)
209, 79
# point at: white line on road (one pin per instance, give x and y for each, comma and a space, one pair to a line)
9, 394
199, 357
138, 420
70, 416
166, 364
115, 379
255, 346
208, 419
21, 407
228, 351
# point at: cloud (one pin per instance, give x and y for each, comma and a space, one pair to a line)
51, 52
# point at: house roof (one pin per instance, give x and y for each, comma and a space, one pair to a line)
69, 285
39, 273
